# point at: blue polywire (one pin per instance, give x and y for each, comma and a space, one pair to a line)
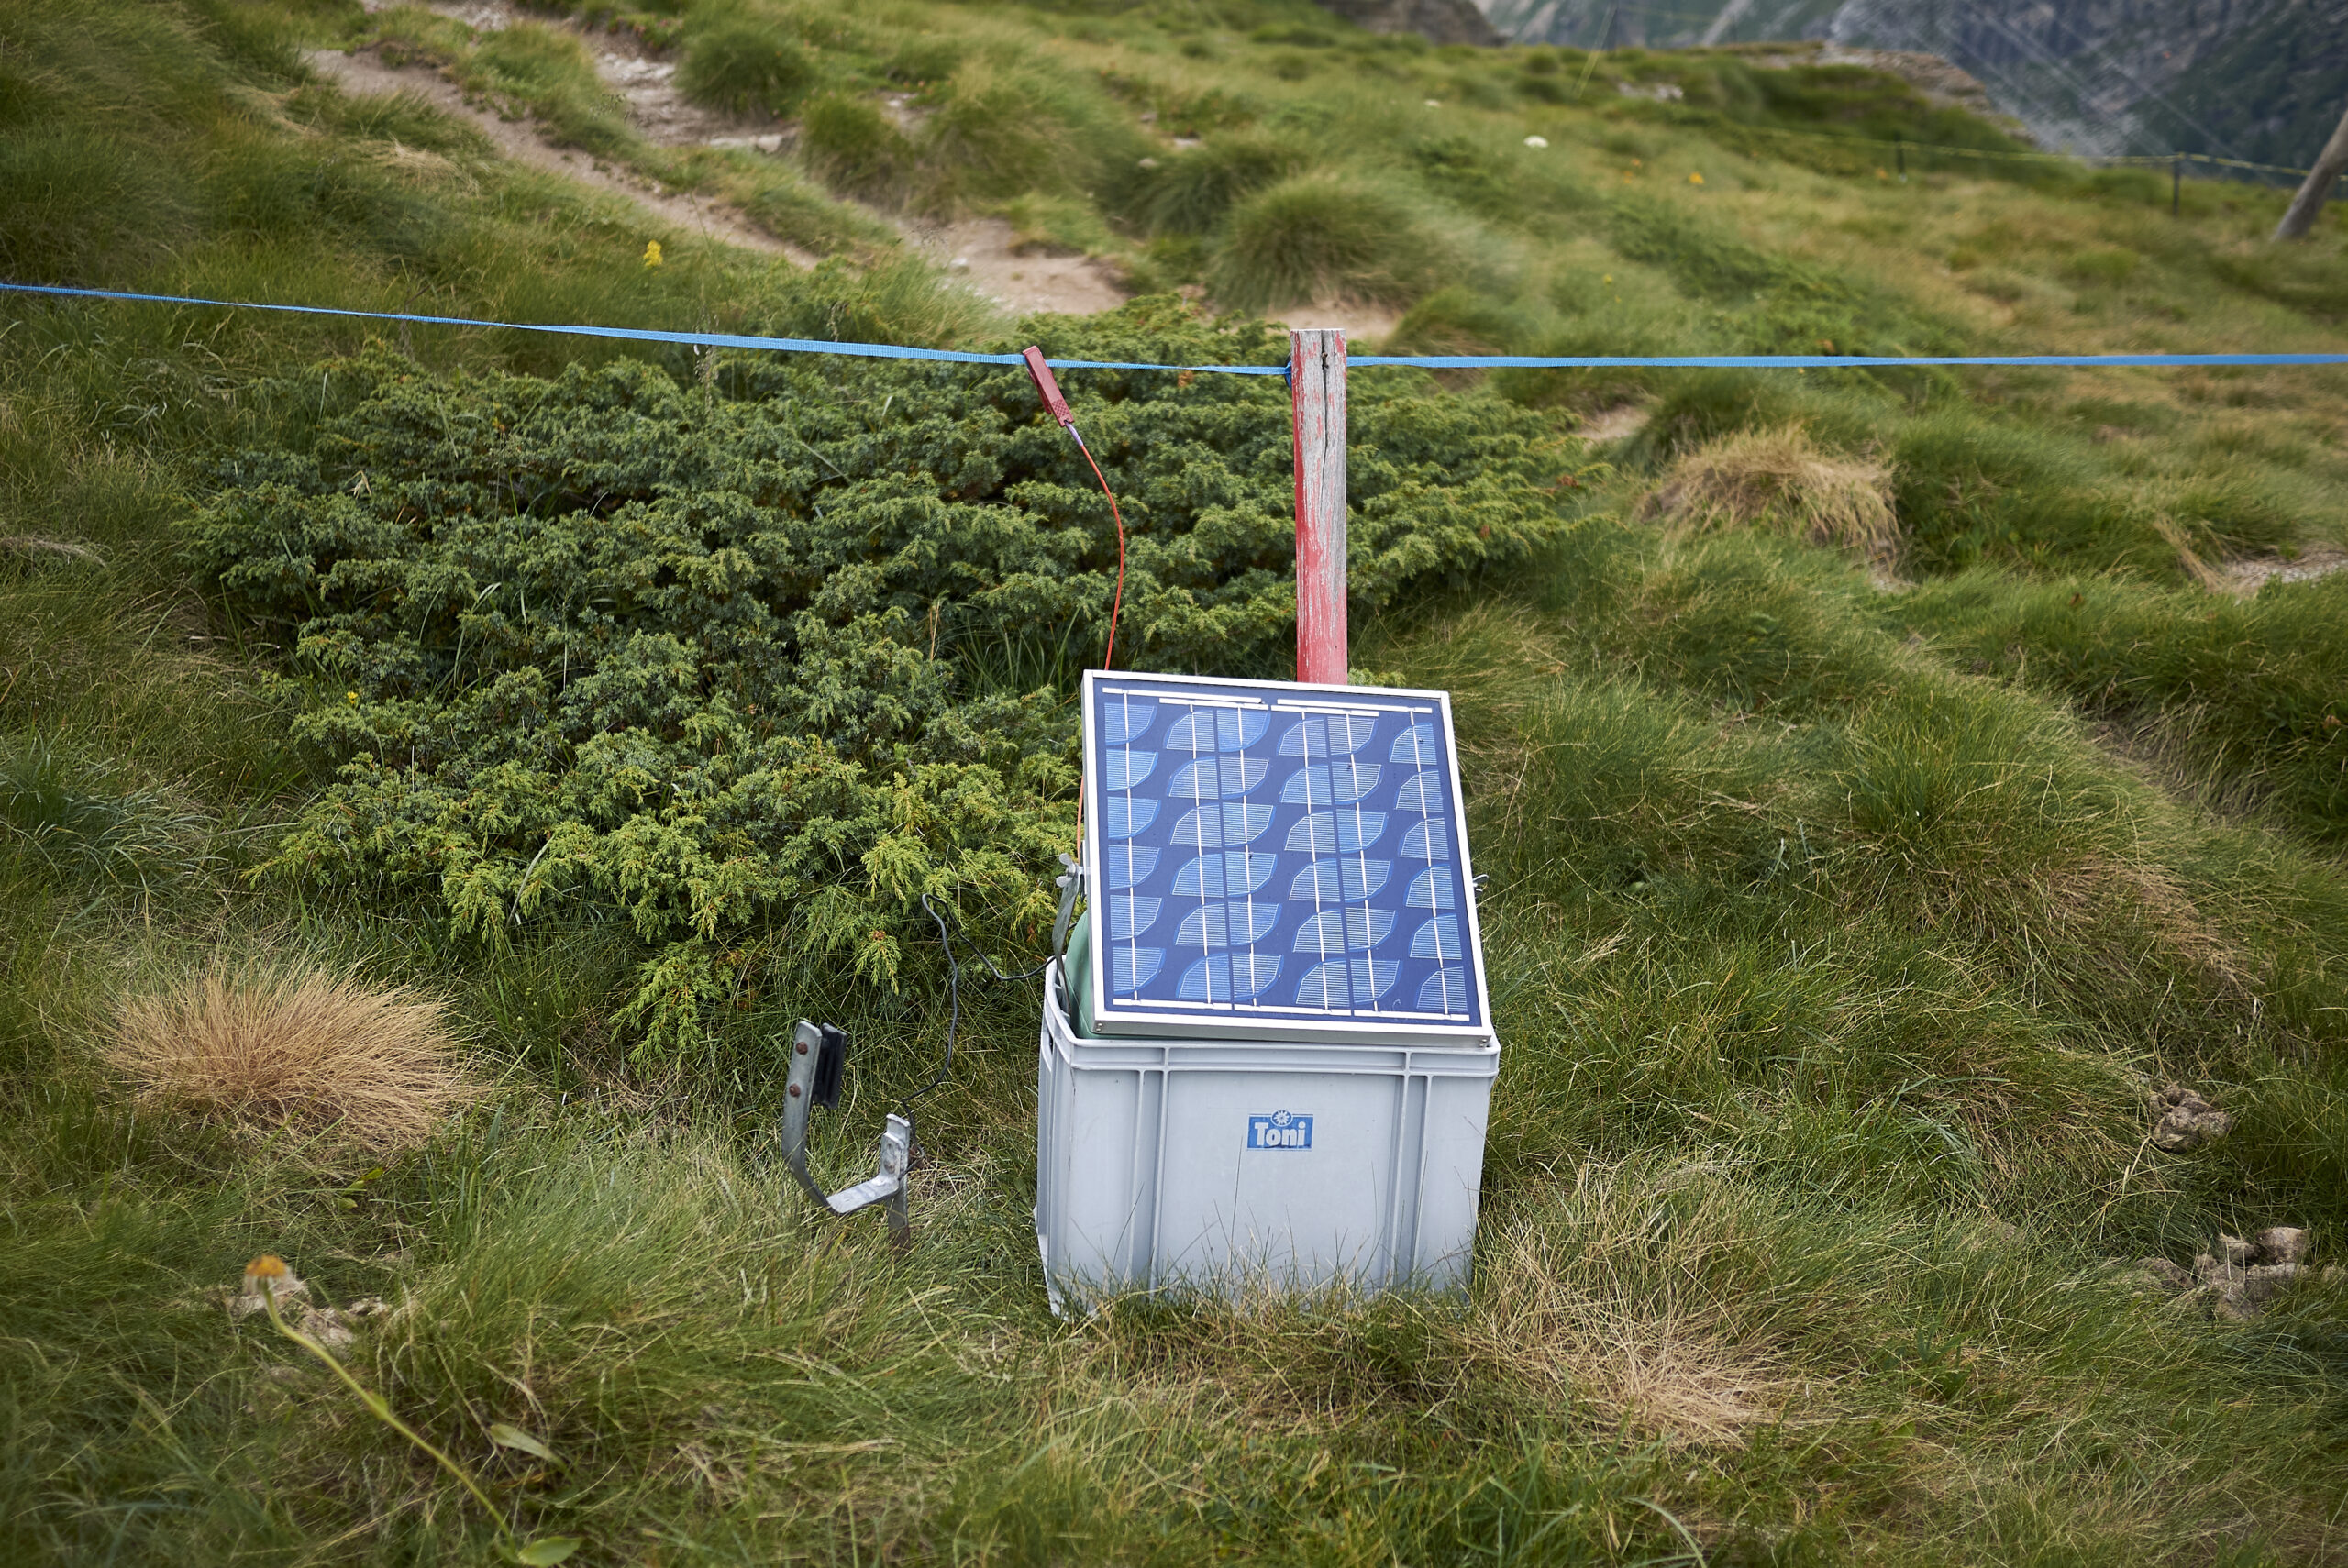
1364, 361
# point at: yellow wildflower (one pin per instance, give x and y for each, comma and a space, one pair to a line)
652, 253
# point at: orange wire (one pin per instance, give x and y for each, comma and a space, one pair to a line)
1117, 604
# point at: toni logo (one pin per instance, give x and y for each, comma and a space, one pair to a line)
1280, 1130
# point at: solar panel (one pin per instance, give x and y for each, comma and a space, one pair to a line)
1271, 860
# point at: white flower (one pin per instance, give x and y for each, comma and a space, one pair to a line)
1434, 103
1536, 141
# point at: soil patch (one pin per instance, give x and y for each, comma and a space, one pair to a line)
979, 253
982, 255
2244, 578
365, 72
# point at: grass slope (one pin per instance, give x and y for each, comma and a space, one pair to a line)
1837, 933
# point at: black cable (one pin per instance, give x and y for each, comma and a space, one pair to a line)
976, 952
953, 995
953, 1003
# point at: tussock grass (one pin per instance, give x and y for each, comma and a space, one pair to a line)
2179, 662
1317, 237
1191, 192
740, 61
70, 819
849, 145
1782, 478
298, 1051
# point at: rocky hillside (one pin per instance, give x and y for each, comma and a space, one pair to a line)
2262, 80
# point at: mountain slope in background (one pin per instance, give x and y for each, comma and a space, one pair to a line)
2262, 80
1438, 21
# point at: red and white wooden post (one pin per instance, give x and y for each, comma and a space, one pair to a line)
1317, 392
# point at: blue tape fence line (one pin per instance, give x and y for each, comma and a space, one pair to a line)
1366, 362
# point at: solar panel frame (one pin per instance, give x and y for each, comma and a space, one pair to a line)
1159, 816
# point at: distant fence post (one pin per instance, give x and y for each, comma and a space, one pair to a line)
1317, 393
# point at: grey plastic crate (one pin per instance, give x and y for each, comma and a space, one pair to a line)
1227, 1165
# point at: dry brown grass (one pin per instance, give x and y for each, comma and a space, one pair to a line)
1594, 1316
1780, 479
296, 1048
2200, 571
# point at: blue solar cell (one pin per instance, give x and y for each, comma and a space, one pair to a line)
1131, 968
1438, 938
1211, 827
1126, 818
1350, 984
1215, 977
1127, 769
1293, 852
1330, 785
1128, 863
1240, 924
1131, 915
1336, 881
1427, 840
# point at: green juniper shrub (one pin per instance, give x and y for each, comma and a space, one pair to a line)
604, 642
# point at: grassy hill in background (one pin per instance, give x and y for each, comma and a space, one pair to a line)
1889, 783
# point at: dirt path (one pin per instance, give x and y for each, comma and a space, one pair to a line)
980, 254
365, 72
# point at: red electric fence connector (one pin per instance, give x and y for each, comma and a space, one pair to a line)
1048, 388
